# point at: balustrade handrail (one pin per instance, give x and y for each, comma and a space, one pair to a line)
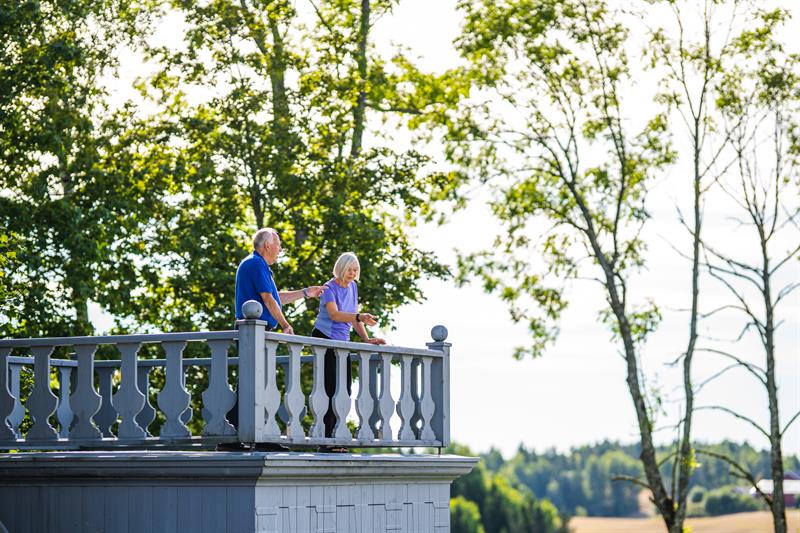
272, 409
139, 338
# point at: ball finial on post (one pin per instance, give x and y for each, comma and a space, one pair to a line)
439, 333
252, 309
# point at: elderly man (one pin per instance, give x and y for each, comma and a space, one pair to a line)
254, 281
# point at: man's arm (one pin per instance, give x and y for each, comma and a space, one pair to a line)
314, 291
275, 310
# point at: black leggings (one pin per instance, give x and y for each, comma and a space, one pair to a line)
330, 383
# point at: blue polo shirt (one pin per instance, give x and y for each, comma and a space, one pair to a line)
253, 277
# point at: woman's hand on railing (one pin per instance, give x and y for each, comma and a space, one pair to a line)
375, 341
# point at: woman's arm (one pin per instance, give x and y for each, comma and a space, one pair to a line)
341, 316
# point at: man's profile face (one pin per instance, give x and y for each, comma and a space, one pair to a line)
272, 249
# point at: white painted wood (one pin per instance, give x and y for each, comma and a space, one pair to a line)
272, 396
251, 380
440, 387
148, 412
374, 382
107, 414
427, 406
85, 400
218, 399
64, 413
42, 402
294, 400
341, 400
318, 400
6, 398
416, 392
364, 402
173, 399
129, 400
386, 403
405, 406
18, 412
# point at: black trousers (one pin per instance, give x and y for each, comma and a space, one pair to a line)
330, 383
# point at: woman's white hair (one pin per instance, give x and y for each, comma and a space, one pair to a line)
263, 235
343, 263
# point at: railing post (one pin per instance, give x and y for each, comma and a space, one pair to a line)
252, 373
440, 384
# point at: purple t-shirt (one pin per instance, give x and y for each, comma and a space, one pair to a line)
346, 299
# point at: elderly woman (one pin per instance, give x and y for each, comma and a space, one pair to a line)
338, 314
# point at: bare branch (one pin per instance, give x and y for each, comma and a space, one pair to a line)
734, 414
753, 369
790, 422
740, 469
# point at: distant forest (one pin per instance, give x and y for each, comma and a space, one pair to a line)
553, 486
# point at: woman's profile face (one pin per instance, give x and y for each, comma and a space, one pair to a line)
351, 273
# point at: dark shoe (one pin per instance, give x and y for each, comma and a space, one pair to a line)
269, 447
232, 447
333, 449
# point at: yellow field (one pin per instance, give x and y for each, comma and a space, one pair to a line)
760, 522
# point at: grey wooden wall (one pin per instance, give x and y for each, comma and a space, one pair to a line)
213, 492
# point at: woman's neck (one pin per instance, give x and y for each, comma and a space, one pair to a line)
341, 282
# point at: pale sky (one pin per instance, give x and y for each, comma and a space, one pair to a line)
576, 393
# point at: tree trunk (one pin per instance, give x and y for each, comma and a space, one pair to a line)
359, 110
776, 454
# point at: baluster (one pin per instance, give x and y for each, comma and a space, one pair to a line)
427, 407
319, 400
107, 414
148, 413
129, 400
374, 363
64, 412
283, 364
416, 392
272, 396
18, 413
218, 399
364, 403
294, 400
405, 407
341, 400
42, 402
186, 415
85, 401
173, 399
386, 402
6, 398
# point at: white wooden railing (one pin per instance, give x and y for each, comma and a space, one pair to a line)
106, 403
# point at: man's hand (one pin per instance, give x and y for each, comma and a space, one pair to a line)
367, 319
315, 291
287, 329
375, 341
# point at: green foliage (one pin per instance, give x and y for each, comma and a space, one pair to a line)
264, 152
728, 499
465, 516
70, 212
148, 213
10, 288
584, 481
496, 504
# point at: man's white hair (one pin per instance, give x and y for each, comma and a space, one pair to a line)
343, 263
264, 235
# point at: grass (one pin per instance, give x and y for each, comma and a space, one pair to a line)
758, 522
